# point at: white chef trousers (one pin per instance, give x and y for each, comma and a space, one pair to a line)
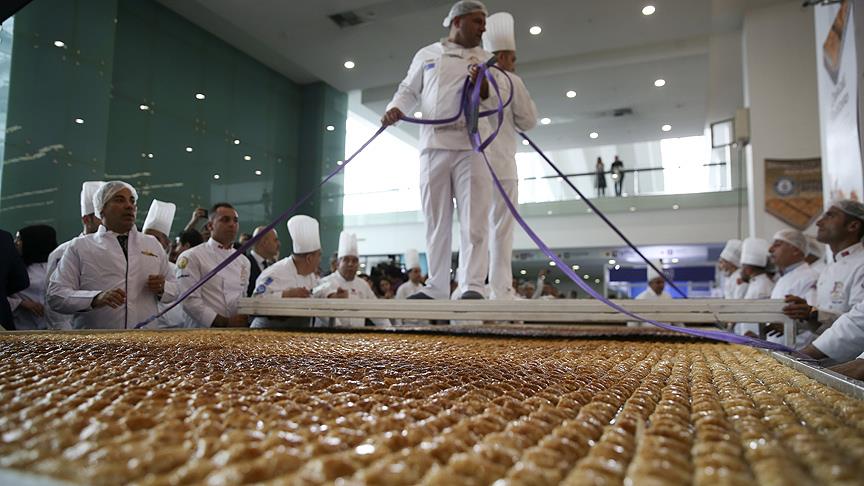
445, 174
501, 242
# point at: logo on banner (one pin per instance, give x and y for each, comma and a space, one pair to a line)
793, 190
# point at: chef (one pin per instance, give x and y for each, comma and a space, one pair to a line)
116, 277
754, 262
788, 250
343, 283
734, 287
158, 223
520, 115
295, 276
449, 168
415, 275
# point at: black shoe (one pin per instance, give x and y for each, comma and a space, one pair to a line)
471, 295
419, 296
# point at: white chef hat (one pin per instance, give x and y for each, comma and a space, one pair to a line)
754, 251
88, 189
304, 234
464, 7
499, 34
106, 192
412, 259
815, 247
732, 252
652, 274
160, 216
793, 237
850, 207
347, 245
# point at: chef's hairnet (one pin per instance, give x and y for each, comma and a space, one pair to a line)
850, 207
793, 237
106, 192
464, 7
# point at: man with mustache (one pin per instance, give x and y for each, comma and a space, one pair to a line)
116, 277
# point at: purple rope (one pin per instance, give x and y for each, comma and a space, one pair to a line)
600, 213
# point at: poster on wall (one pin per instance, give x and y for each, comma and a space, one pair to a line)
837, 76
793, 190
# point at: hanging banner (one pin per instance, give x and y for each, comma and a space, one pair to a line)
837, 75
793, 191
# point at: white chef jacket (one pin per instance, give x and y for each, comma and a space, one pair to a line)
520, 115
434, 81
95, 263
357, 289
818, 266
282, 275
220, 294
174, 318
844, 340
54, 319
841, 284
759, 287
800, 281
407, 289
24, 319
732, 289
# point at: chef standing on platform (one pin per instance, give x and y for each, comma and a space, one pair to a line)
449, 168
520, 115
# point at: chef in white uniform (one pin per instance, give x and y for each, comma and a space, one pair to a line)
815, 254
449, 168
520, 115
730, 262
28, 306
292, 277
841, 283
158, 223
796, 278
415, 275
656, 290
214, 304
90, 224
754, 261
114, 278
343, 283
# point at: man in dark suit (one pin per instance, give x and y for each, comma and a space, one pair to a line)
264, 253
13, 277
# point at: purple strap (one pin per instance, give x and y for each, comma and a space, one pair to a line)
602, 216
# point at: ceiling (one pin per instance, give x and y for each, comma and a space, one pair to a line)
606, 51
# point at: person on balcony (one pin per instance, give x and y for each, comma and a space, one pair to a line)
600, 183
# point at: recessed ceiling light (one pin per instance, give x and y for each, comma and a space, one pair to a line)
349, 64
571, 94
586, 276
79, 121
535, 30
143, 107
575, 267
199, 96
612, 262
596, 280
675, 206
216, 176
551, 264
59, 43
545, 121
593, 134
632, 208
557, 280
524, 142
648, 10
666, 128
675, 260
330, 128
236, 141
247, 157
617, 267
258, 172
418, 114
339, 162
660, 82
188, 149
522, 272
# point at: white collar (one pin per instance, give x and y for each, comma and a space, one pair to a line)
847, 252
792, 268
218, 246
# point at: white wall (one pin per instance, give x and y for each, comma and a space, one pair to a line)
780, 90
724, 64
